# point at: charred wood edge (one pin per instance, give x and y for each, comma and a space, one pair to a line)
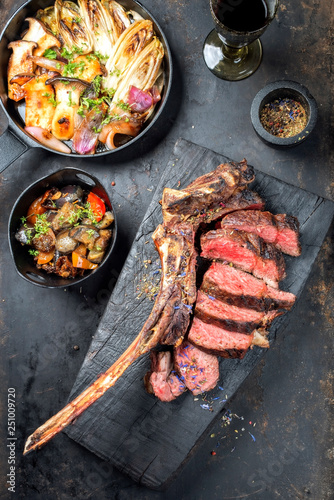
235, 372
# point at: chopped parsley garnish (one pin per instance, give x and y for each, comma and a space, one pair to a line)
51, 98
100, 56
97, 84
115, 72
50, 54
70, 102
71, 67
123, 105
69, 55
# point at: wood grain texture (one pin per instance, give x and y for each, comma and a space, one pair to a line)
143, 437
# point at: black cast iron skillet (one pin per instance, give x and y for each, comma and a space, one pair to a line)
24, 263
14, 111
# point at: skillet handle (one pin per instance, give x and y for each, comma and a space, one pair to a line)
11, 148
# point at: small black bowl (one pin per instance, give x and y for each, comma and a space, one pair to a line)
23, 261
280, 90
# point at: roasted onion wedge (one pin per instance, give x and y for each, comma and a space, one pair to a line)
86, 136
47, 139
129, 127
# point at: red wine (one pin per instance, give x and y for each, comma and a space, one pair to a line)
242, 15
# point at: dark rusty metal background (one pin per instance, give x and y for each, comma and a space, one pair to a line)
290, 395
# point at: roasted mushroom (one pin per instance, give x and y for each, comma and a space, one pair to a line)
19, 63
39, 34
66, 119
40, 103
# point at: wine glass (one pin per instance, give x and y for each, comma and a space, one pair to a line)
233, 51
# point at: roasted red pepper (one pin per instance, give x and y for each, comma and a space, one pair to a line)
97, 205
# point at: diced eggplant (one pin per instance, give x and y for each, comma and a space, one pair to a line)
50, 202
103, 239
106, 221
66, 217
25, 234
85, 234
69, 193
64, 243
95, 256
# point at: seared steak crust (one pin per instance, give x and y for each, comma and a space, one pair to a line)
217, 340
204, 199
246, 251
282, 230
241, 289
230, 317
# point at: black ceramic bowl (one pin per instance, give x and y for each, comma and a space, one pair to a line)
280, 90
24, 262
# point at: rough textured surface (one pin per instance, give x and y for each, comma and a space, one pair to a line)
108, 428
289, 396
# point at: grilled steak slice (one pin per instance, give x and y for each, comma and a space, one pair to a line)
205, 198
197, 369
229, 317
241, 289
217, 340
246, 251
282, 230
159, 381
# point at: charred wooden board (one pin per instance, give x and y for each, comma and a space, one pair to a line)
145, 438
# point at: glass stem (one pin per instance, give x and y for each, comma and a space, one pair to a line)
233, 53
